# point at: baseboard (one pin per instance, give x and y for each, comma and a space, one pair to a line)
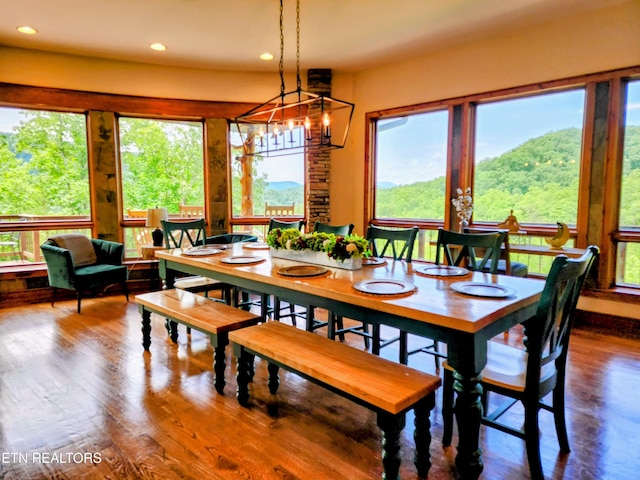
607, 324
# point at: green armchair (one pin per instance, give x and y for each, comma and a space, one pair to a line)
76, 262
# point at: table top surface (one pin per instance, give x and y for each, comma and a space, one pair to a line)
433, 300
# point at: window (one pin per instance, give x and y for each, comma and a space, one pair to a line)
260, 182
44, 176
527, 158
162, 166
43, 165
410, 166
628, 267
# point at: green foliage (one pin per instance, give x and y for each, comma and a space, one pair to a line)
43, 166
337, 247
162, 164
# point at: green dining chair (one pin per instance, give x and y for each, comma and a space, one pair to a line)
527, 375
188, 234
474, 251
242, 297
308, 314
398, 244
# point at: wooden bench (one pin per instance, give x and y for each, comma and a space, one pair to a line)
389, 389
213, 318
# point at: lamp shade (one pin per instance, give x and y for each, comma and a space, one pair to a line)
154, 217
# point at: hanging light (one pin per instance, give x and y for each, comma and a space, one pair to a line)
294, 121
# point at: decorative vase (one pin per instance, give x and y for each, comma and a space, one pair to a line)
317, 258
464, 224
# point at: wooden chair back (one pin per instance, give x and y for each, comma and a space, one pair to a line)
470, 250
191, 211
183, 234
343, 230
279, 210
400, 240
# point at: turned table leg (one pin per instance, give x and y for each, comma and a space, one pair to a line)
468, 411
146, 329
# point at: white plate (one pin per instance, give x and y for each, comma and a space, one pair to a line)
384, 287
242, 260
479, 289
441, 270
201, 252
255, 246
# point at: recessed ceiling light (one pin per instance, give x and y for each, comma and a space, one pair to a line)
266, 56
28, 30
158, 46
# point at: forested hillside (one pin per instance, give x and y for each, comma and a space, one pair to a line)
538, 180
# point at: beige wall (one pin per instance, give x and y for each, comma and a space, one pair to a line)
603, 40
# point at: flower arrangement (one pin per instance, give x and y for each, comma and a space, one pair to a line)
464, 204
337, 247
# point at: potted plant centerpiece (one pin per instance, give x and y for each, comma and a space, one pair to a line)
319, 248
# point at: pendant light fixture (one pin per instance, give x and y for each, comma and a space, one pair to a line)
295, 121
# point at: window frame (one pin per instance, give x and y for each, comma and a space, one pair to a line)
600, 171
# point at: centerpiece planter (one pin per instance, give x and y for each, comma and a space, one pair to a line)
317, 258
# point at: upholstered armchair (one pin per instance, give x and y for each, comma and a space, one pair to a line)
76, 262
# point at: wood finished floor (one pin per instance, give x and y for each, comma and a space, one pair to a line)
74, 385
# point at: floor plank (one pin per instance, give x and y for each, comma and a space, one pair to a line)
79, 387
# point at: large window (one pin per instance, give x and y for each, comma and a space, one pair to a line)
259, 183
628, 271
410, 167
44, 177
43, 165
162, 164
527, 158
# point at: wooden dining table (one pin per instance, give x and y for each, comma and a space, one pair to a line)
432, 309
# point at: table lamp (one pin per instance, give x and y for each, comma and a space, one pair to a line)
154, 219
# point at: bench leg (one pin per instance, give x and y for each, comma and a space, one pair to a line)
422, 435
219, 343
172, 330
146, 329
244, 374
274, 379
391, 426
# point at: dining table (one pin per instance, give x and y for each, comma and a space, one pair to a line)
461, 308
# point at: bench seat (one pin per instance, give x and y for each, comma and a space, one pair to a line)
387, 388
212, 318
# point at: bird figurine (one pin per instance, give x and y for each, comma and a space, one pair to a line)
560, 238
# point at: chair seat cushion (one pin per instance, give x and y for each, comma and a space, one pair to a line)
517, 269
94, 276
80, 247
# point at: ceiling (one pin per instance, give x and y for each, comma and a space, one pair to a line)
345, 35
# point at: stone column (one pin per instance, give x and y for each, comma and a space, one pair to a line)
318, 162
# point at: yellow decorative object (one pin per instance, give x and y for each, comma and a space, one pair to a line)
511, 223
560, 238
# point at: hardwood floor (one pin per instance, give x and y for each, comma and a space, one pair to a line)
76, 388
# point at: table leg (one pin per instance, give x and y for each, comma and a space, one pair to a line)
146, 329
468, 411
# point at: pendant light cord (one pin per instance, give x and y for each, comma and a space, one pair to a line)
281, 66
